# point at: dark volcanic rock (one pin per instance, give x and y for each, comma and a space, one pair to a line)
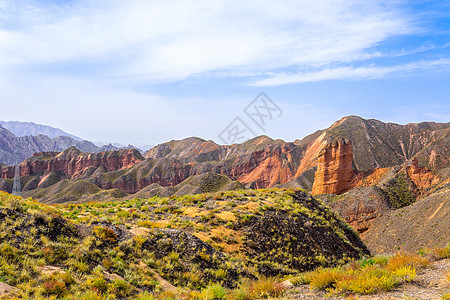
309, 237
192, 252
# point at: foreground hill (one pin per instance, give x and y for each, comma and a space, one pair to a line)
134, 246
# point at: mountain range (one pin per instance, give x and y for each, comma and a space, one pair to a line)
350, 153
31, 138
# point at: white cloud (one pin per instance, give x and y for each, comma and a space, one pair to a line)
171, 40
366, 72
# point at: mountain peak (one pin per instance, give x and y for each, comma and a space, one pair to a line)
347, 119
193, 139
71, 151
259, 140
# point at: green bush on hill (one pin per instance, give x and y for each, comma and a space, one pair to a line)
399, 193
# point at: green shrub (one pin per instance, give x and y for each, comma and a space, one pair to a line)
97, 283
119, 288
53, 286
399, 193
213, 292
105, 234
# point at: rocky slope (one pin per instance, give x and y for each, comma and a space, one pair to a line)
360, 206
257, 163
403, 209
381, 191
73, 175
377, 145
263, 162
435, 155
72, 163
423, 224
45, 169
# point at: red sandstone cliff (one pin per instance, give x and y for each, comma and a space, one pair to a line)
73, 163
311, 153
422, 177
334, 169
114, 169
273, 167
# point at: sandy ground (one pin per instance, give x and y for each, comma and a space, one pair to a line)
430, 283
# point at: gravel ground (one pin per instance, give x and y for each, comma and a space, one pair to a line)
429, 284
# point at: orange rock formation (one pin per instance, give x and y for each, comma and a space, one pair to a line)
422, 177
334, 169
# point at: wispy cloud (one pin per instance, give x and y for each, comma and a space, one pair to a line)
172, 40
351, 73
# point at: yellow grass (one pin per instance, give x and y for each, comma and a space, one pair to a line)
226, 216
252, 206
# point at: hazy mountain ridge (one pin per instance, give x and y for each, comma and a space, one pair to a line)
30, 128
30, 144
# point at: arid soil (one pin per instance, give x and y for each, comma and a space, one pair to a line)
429, 284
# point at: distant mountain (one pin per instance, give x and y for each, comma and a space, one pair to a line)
145, 147
33, 138
30, 128
29, 144
116, 147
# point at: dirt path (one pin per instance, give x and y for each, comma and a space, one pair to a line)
429, 284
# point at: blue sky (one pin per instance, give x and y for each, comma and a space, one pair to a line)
145, 72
